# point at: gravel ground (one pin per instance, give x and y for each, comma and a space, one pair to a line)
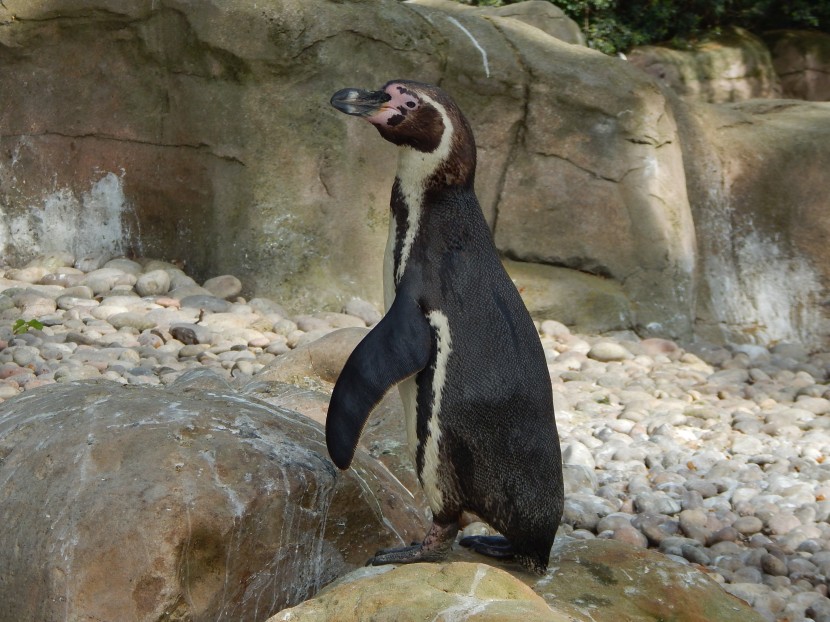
713, 455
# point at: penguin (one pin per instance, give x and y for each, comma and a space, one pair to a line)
459, 343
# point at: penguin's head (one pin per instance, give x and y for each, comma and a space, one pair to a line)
420, 117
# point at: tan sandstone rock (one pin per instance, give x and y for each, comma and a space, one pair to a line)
758, 187
588, 581
316, 361
203, 133
802, 60
732, 66
190, 139
540, 14
420, 592
589, 303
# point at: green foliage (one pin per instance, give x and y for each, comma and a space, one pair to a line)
23, 326
613, 26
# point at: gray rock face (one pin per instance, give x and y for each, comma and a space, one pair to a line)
189, 503
189, 139
802, 60
757, 186
733, 66
540, 14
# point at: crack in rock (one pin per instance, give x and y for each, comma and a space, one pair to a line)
202, 147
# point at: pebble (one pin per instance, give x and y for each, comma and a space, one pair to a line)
364, 310
608, 351
153, 283
714, 454
226, 286
206, 302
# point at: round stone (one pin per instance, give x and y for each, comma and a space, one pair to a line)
206, 302
366, 311
153, 283
125, 265
225, 286
748, 525
607, 351
782, 523
577, 453
131, 319
774, 566
629, 535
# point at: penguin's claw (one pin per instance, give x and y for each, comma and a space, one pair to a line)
406, 555
498, 547
435, 547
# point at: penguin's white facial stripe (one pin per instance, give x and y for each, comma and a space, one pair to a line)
429, 475
414, 169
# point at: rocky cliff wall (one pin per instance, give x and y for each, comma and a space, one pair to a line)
201, 131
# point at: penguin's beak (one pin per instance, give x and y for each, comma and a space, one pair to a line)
358, 102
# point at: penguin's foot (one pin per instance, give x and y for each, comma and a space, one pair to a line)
492, 546
435, 547
499, 547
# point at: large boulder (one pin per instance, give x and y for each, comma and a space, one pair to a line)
580, 160
202, 132
606, 581
802, 60
733, 65
586, 302
540, 14
412, 593
196, 502
758, 185
588, 581
303, 379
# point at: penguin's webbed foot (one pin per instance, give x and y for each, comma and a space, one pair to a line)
492, 546
499, 547
435, 547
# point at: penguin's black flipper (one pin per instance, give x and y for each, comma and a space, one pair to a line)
398, 347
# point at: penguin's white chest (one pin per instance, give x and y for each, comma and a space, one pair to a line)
414, 169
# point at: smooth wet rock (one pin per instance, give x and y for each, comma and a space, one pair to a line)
415, 592
192, 502
608, 581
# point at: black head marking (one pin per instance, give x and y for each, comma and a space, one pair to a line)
411, 114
